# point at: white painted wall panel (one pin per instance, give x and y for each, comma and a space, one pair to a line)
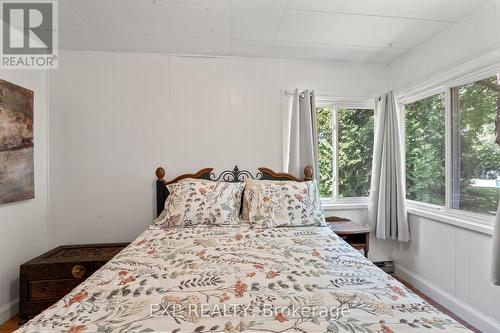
484, 296
474, 35
444, 263
116, 117
442, 53
23, 225
463, 264
497, 24
486, 25
453, 263
466, 37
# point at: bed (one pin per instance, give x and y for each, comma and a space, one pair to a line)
235, 278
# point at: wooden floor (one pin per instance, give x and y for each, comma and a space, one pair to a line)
435, 304
11, 325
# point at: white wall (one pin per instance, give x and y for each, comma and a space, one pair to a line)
453, 266
450, 263
474, 36
116, 117
23, 225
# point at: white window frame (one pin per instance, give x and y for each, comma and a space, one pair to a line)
471, 220
335, 103
402, 108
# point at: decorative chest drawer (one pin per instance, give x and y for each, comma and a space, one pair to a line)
49, 277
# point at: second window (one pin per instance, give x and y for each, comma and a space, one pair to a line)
345, 139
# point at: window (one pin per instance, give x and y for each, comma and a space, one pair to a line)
475, 134
345, 140
466, 120
425, 150
325, 150
355, 151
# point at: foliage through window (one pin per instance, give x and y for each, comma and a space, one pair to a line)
476, 146
473, 178
345, 138
425, 150
325, 150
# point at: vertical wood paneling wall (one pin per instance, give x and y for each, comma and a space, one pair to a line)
115, 117
23, 224
469, 38
452, 263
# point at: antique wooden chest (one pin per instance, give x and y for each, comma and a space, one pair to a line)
46, 279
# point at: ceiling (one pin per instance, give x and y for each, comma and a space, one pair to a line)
371, 31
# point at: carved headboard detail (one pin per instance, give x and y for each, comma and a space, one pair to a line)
234, 175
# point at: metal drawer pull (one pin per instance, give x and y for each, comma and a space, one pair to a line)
78, 271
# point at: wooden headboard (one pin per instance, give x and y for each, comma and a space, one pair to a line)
235, 175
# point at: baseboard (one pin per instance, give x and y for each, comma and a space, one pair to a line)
463, 310
8, 311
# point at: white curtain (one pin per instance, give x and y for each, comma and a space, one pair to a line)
302, 143
495, 272
387, 208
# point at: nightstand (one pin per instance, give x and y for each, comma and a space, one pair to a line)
46, 279
356, 235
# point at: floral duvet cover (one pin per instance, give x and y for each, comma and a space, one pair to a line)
238, 279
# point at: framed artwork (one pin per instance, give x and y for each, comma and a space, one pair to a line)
17, 180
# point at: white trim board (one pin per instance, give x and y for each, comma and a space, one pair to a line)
468, 70
463, 310
8, 311
458, 219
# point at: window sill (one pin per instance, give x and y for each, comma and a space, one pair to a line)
348, 203
471, 221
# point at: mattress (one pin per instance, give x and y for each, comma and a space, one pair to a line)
234, 279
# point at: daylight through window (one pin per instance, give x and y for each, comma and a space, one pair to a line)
425, 150
345, 137
473, 165
476, 146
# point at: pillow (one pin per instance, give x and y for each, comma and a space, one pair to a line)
248, 184
201, 202
243, 217
285, 203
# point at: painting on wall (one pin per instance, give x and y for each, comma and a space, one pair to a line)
16, 143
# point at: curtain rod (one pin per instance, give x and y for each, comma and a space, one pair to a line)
340, 99
288, 93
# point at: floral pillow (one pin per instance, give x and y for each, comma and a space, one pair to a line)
201, 202
248, 184
284, 204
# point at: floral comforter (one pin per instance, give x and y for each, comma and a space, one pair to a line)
234, 279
